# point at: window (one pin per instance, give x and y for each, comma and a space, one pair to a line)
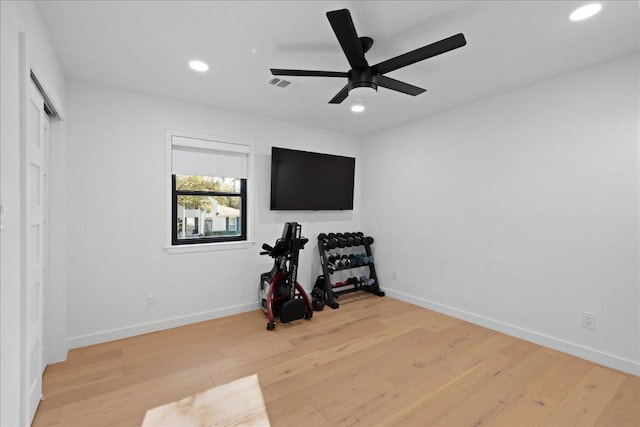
208, 199
216, 202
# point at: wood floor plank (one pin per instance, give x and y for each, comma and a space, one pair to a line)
447, 397
413, 361
131, 400
374, 361
624, 408
357, 364
588, 399
541, 398
326, 356
47, 417
139, 372
501, 391
82, 377
82, 366
561, 379
335, 342
293, 413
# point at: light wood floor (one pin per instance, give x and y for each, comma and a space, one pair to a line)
373, 361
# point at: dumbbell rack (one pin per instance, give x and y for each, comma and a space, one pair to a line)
333, 291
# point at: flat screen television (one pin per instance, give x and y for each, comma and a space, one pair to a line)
302, 180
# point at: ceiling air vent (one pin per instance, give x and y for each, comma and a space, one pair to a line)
279, 82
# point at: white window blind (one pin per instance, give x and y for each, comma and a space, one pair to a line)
191, 156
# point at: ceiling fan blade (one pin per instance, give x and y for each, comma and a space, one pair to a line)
399, 86
307, 73
428, 51
342, 25
340, 96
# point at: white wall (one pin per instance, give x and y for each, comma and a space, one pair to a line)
116, 166
519, 211
16, 18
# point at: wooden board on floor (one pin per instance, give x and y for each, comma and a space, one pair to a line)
238, 403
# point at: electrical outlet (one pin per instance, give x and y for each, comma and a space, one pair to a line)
588, 320
394, 275
152, 300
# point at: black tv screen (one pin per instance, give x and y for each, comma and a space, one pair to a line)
301, 180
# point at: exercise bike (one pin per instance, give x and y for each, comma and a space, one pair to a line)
279, 292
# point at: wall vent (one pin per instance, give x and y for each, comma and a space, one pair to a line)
279, 82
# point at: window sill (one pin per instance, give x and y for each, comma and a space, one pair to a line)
208, 247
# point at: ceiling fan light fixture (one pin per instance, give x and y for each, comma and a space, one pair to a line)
357, 108
363, 92
585, 12
199, 66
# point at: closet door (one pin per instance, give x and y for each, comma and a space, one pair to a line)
34, 199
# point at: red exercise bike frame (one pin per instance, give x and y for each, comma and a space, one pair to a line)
295, 304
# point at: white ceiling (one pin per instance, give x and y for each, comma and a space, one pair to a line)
145, 46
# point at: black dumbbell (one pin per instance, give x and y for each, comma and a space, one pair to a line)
352, 281
331, 262
332, 243
357, 240
318, 300
352, 260
323, 240
346, 262
337, 260
349, 241
341, 262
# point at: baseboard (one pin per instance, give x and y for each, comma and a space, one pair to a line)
596, 356
58, 356
144, 328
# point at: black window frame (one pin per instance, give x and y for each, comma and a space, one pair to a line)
200, 240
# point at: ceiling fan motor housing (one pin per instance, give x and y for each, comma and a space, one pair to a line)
363, 77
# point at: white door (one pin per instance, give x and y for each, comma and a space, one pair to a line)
34, 248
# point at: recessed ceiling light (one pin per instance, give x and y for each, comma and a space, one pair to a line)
198, 66
585, 12
357, 108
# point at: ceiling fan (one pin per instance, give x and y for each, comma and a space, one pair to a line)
361, 73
